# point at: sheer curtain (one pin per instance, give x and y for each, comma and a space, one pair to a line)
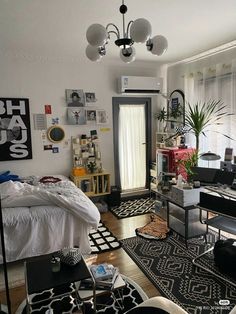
214, 83
132, 151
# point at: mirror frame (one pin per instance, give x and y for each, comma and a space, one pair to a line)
52, 137
180, 99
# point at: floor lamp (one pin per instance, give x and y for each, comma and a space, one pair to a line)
209, 156
4, 264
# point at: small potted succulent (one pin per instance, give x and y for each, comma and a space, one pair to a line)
92, 166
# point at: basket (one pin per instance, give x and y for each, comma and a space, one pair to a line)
70, 256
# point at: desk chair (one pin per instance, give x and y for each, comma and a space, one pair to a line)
225, 221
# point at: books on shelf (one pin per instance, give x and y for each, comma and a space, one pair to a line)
105, 276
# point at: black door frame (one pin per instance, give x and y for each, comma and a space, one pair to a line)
116, 101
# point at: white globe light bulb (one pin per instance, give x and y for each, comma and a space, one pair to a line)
127, 54
140, 30
92, 53
159, 45
96, 35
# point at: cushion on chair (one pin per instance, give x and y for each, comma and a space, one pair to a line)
157, 305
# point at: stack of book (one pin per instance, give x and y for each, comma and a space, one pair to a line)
105, 276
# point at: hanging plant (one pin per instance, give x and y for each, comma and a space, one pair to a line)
161, 115
176, 112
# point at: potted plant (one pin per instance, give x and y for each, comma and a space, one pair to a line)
201, 115
92, 166
188, 163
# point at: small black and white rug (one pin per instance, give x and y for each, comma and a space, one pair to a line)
132, 296
102, 240
134, 207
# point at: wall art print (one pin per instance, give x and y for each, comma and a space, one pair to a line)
75, 98
101, 116
90, 97
76, 116
15, 133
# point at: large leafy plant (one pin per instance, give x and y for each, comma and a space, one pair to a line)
202, 115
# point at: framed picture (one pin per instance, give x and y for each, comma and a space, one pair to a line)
90, 97
76, 116
75, 98
15, 133
101, 117
91, 115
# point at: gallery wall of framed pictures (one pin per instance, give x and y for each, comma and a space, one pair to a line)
82, 108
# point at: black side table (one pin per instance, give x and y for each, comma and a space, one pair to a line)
39, 277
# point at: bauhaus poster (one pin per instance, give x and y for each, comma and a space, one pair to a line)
15, 134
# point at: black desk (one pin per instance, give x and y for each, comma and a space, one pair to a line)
223, 203
39, 277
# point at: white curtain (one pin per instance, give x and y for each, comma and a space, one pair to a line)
214, 83
132, 150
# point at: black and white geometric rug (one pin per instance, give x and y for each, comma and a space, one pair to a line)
133, 295
102, 240
134, 207
168, 265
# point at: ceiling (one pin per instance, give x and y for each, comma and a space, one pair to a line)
57, 28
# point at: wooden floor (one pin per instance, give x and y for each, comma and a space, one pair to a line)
122, 228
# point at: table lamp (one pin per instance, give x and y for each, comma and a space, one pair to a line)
209, 156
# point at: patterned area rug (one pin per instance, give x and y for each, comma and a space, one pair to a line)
168, 265
102, 240
133, 295
134, 207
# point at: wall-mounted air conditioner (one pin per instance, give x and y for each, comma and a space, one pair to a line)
139, 85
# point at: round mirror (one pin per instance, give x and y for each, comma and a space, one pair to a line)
56, 134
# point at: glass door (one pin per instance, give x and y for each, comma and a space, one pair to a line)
132, 134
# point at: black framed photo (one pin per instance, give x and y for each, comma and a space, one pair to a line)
15, 133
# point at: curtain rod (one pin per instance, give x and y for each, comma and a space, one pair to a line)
206, 53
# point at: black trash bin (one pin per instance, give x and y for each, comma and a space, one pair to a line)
113, 199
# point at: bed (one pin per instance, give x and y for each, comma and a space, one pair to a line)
45, 214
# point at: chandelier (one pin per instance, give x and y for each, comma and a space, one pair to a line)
138, 31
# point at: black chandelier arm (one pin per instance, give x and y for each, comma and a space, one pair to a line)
113, 32
128, 27
117, 29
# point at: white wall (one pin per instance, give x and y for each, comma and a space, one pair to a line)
44, 81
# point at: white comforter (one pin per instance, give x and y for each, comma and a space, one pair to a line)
44, 218
63, 194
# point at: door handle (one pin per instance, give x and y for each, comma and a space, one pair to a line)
144, 143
